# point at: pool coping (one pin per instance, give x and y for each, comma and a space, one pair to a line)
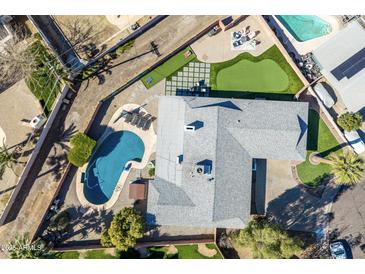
310, 45
149, 140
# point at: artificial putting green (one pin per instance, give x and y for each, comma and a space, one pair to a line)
246, 75
268, 73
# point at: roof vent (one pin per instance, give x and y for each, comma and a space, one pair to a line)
189, 128
179, 159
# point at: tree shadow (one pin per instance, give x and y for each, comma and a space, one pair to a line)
85, 220
295, 209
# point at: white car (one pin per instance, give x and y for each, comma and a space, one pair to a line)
355, 141
323, 94
338, 250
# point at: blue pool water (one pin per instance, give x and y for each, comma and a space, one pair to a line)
107, 164
305, 27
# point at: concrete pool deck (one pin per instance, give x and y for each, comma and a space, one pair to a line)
149, 139
310, 45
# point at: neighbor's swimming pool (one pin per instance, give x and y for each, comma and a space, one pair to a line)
305, 27
107, 164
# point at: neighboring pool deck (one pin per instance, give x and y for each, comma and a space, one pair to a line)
149, 139
310, 45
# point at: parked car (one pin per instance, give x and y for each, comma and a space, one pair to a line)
355, 141
323, 95
338, 250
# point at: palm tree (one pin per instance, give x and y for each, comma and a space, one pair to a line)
23, 248
347, 168
7, 160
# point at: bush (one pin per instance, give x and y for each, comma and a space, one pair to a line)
123, 48
268, 241
126, 227
151, 172
82, 147
105, 239
350, 121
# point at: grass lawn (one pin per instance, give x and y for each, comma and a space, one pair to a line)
66, 255
98, 254
267, 73
184, 252
169, 67
320, 139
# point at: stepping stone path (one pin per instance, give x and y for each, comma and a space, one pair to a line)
205, 251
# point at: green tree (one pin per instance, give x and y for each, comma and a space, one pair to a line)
350, 121
126, 227
23, 248
81, 148
7, 160
268, 241
105, 239
348, 168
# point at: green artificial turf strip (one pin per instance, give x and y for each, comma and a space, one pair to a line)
98, 254
250, 76
265, 77
67, 255
169, 67
319, 139
191, 252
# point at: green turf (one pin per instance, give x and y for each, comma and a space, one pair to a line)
191, 252
258, 77
320, 139
66, 255
169, 67
266, 73
98, 254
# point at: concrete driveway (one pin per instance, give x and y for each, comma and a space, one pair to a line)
293, 205
348, 213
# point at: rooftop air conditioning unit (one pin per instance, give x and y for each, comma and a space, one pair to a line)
189, 128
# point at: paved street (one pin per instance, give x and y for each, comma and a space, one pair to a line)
349, 218
45, 176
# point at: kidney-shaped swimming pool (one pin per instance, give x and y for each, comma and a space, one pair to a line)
107, 164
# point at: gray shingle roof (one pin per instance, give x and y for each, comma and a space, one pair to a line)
229, 133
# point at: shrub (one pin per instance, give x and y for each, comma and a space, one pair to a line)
126, 227
123, 48
105, 239
268, 241
350, 121
81, 148
151, 172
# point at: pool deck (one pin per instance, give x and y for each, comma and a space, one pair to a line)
310, 45
118, 124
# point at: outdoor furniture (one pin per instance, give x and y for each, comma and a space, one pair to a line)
128, 117
141, 122
147, 125
144, 120
237, 34
135, 119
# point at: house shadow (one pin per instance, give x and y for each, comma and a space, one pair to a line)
251, 95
